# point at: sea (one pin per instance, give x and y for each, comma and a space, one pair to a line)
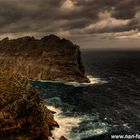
108, 105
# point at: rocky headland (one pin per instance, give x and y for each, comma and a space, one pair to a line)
49, 58
23, 114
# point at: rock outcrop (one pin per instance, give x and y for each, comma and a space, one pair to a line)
23, 114
49, 58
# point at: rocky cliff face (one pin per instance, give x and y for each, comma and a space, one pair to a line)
49, 58
23, 115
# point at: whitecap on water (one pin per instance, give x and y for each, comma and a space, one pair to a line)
76, 127
93, 80
66, 124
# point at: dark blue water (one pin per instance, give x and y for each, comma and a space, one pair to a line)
109, 105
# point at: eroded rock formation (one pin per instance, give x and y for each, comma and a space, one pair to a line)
23, 114
49, 58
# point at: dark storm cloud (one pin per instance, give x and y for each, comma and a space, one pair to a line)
126, 9
74, 16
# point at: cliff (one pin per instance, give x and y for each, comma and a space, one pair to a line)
23, 114
49, 58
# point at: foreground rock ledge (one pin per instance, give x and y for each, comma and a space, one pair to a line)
50, 58
23, 114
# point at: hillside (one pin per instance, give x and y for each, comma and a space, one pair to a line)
23, 114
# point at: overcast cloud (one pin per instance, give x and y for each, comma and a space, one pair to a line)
75, 19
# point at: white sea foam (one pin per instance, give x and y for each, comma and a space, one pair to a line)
68, 123
93, 80
65, 123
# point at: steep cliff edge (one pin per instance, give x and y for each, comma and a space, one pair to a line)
23, 114
49, 58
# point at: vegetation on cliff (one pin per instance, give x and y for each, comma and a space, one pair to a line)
23, 114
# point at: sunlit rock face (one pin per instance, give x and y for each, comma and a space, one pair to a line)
23, 114
49, 58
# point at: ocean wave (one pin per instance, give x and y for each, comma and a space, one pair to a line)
93, 80
77, 127
66, 124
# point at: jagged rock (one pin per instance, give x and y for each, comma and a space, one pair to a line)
50, 58
23, 114
62, 138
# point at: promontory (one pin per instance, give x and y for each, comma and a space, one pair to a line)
48, 58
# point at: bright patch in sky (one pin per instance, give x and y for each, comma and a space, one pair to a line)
68, 4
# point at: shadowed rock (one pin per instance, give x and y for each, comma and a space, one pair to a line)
49, 58
23, 114
62, 138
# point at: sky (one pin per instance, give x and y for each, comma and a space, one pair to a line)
98, 24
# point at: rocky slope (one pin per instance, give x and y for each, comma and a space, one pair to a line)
23, 114
49, 58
